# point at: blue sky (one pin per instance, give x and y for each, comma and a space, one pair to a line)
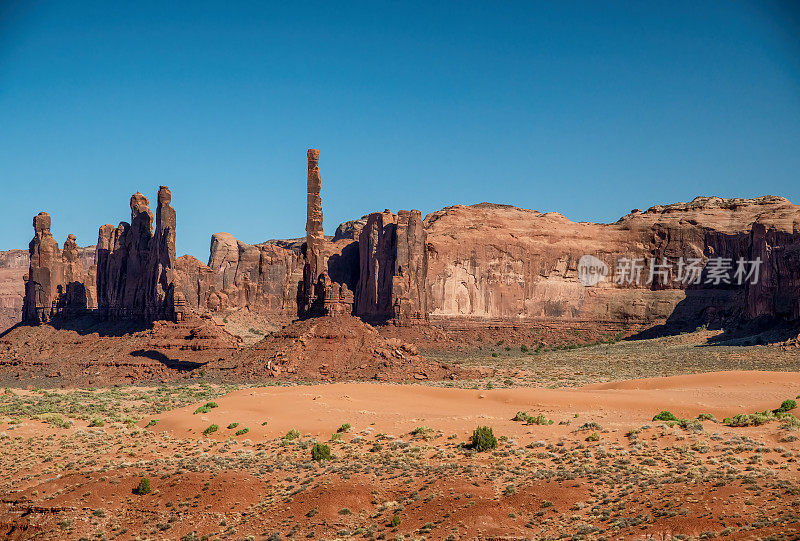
585, 108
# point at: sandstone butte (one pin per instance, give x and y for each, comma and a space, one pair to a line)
462, 267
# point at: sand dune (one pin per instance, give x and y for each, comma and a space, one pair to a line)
319, 409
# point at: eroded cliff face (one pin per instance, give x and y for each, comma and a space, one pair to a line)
266, 279
483, 264
495, 262
262, 278
393, 264
13, 268
56, 281
135, 268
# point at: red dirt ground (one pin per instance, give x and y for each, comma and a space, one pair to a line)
639, 478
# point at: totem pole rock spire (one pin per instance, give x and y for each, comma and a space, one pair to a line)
314, 260
314, 235
318, 294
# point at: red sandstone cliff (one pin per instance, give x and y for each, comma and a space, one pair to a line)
466, 265
495, 262
393, 268
136, 267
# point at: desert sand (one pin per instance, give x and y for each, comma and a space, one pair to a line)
319, 410
402, 468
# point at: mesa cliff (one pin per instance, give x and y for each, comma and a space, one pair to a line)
500, 263
481, 265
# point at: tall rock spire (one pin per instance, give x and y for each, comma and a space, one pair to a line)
45, 280
314, 236
160, 268
315, 239
318, 294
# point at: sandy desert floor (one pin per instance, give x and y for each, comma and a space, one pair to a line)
402, 469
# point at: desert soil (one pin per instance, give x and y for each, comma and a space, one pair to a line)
602, 470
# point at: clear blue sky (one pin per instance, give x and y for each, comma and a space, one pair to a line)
589, 109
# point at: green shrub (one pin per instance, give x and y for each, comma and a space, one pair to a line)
762, 417
395, 521
483, 439
539, 420
143, 488
153, 422
523, 348
749, 419
594, 436
96, 421
232, 426
665, 416
423, 431
706, 417
210, 429
590, 426
786, 405
532, 420
692, 425
789, 421
55, 420
320, 452
293, 434
241, 431
521, 416
205, 408
344, 428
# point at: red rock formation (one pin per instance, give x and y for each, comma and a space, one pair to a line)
318, 294
350, 229
160, 272
194, 281
409, 291
79, 294
777, 291
45, 280
493, 263
110, 257
479, 265
14, 265
333, 348
377, 246
315, 239
262, 278
393, 268
135, 268
111, 353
